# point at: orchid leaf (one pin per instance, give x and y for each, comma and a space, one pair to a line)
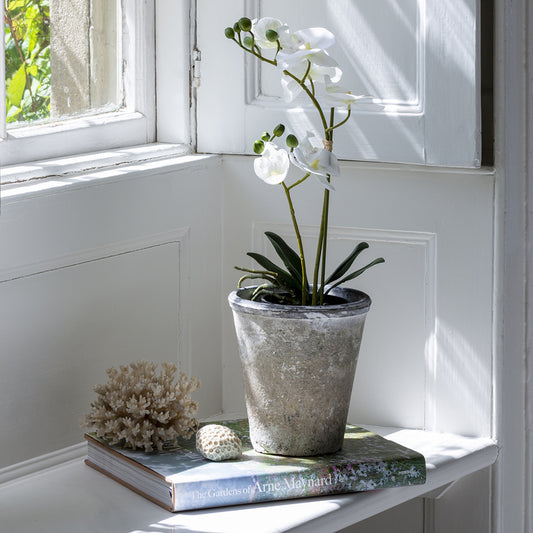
289, 257
347, 263
355, 274
283, 277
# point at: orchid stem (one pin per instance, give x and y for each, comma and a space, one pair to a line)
325, 215
320, 261
319, 249
301, 180
311, 96
300, 245
331, 128
254, 53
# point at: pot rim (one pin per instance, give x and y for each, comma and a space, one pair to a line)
357, 303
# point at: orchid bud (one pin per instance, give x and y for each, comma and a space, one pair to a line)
248, 41
272, 35
259, 146
278, 130
229, 33
236, 28
292, 141
245, 24
265, 136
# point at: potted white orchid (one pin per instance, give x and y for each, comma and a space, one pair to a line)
298, 360
305, 67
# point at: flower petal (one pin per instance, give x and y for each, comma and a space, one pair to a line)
273, 165
324, 181
317, 161
291, 88
309, 38
329, 163
259, 29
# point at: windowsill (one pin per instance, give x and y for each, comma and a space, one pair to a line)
39, 177
71, 496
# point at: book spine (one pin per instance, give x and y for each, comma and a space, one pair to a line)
198, 495
270, 487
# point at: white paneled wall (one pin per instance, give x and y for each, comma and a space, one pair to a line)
427, 355
101, 270
427, 350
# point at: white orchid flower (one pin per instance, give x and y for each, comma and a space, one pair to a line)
335, 95
318, 161
304, 51
305, 46
310, 39
261, 26
317, 73
340, 95
273, 165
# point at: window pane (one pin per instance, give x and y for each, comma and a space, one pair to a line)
61, 59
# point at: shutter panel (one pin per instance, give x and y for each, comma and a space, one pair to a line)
417, 58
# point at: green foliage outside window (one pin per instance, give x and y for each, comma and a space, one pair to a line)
27, 56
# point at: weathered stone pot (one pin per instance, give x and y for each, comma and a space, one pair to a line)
298, 366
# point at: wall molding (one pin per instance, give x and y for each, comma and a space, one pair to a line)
178, 237
428, 242
43, 462
255, 96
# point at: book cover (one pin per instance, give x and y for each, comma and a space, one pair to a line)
183, 479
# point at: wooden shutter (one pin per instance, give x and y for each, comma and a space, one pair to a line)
417, 58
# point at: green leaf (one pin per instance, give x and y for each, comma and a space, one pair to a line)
32, 32
347, 263
33, 70
15, 88
356, 273
13, 114
289, 257
14, 4
284, 277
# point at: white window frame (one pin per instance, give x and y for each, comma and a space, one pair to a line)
156, 40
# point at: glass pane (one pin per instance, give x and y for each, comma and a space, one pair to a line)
61, 59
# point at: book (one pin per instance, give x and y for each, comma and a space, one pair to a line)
182, 479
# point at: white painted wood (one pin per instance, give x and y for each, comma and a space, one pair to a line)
109, 311
452, 107
71, 165
23, 145
529, 238
33, 466
464, 507
420, 62
75, 494
172, 41
512, 504
414, 255
407, 518
138, 50
423, 370
98, 270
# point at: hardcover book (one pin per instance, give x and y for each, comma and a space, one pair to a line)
182, 479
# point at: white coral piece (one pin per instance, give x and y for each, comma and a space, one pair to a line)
218, 443
138, 408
